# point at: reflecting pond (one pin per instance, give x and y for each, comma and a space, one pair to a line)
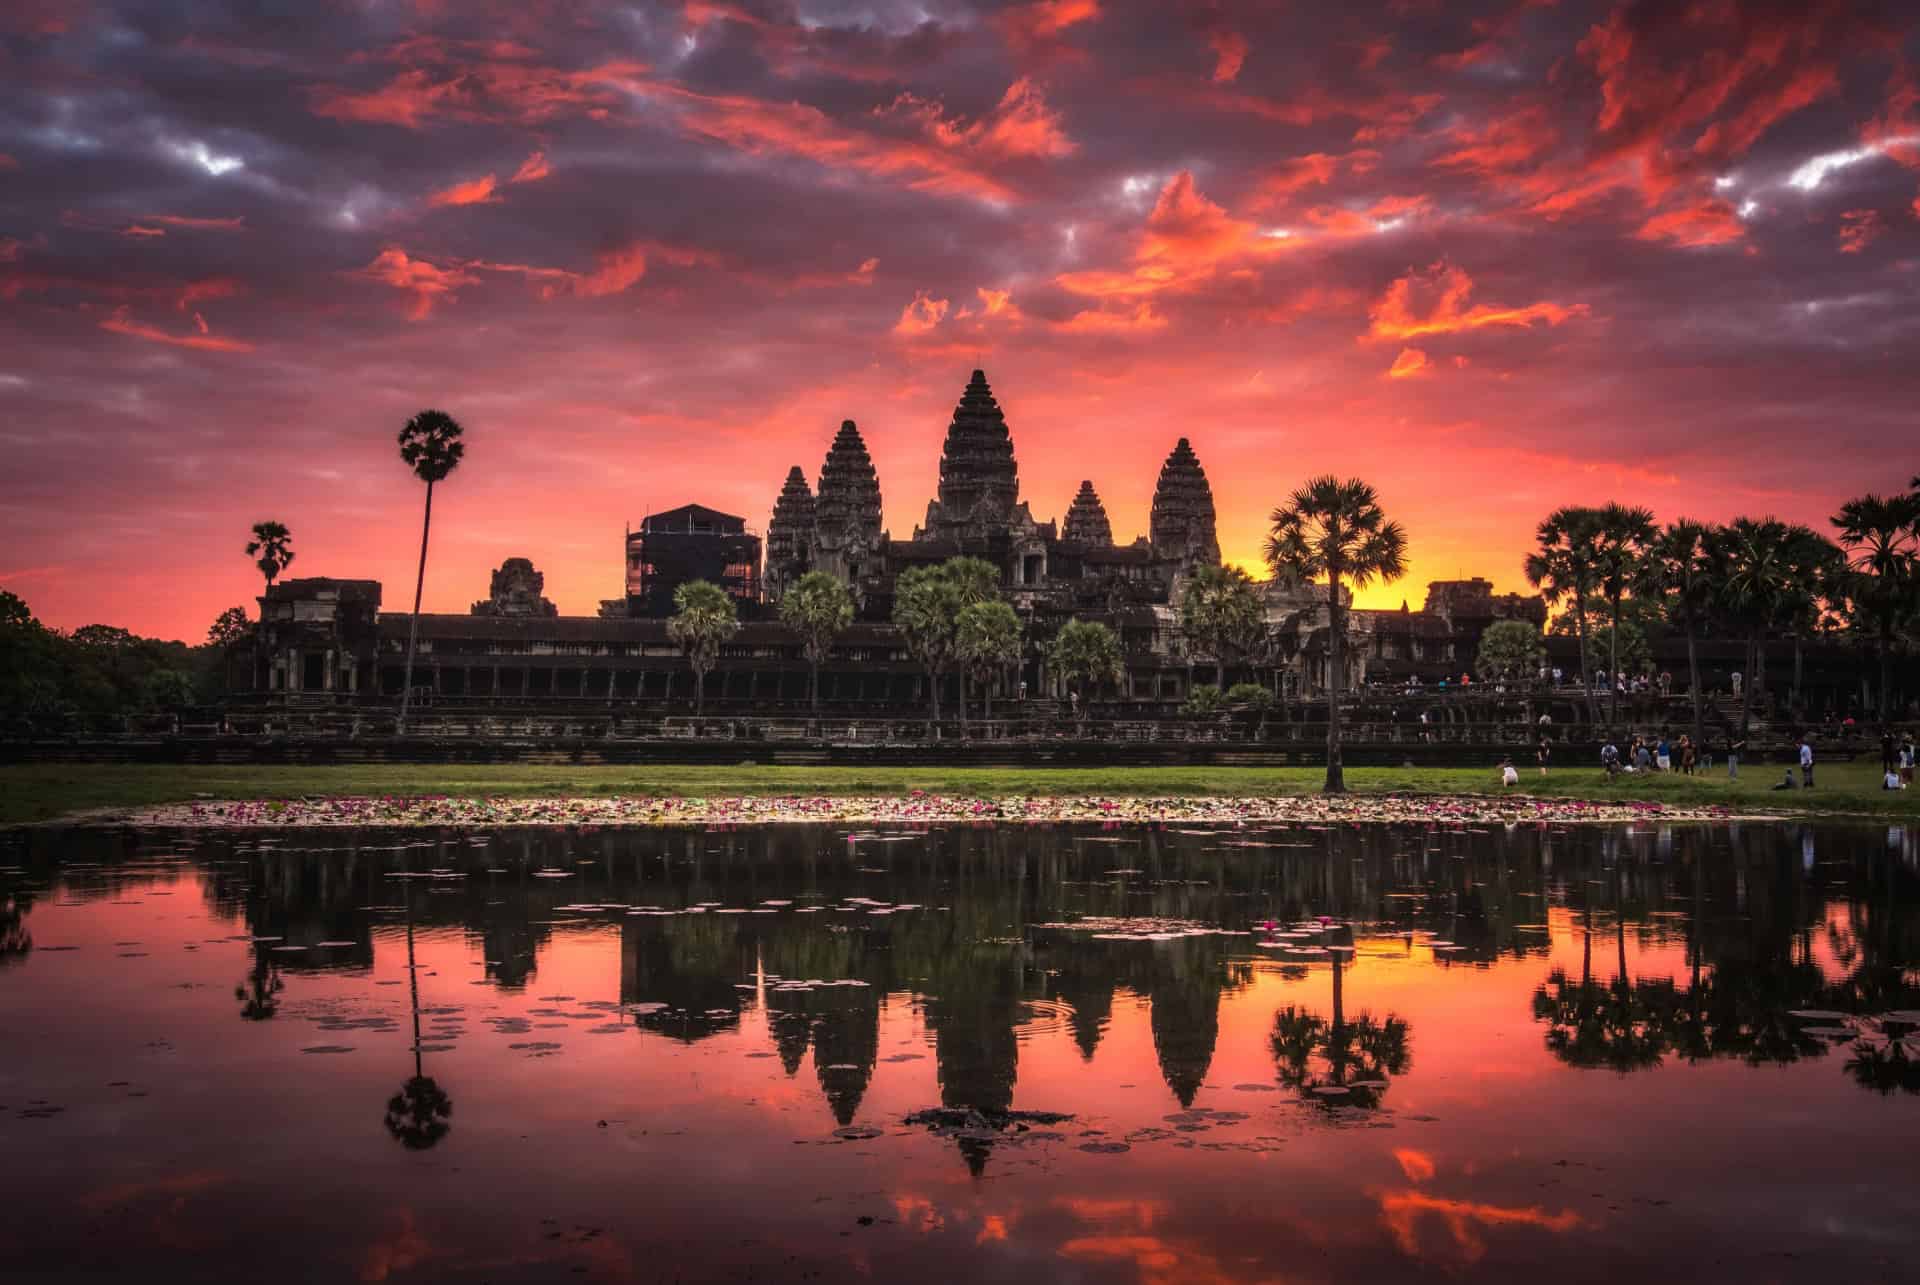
813, 1053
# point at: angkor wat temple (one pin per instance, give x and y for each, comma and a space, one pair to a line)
327, 640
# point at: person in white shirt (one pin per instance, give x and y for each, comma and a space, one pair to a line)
1509, 775
1806, 764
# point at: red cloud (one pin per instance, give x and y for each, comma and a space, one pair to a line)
1465, 1220
484, 91
208, 288
141, 230
122, 323
1702, 224
237, 223
477, 191
532, 170
1029, 27
427, 283
1315, 169
1860, 229
1409, 363
1230, 54
1102, 322
921, 315
1435, 303
616, 271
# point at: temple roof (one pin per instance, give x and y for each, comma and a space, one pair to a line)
792, 520
979, 479
849, 494
1182, 522
1087, 519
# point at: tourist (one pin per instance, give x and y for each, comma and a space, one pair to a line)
1542, 753
1642, 756
1806, 763
1736, 746
1610, 759
1736, 683
1786, 782
1023, 689
1688, 753
1892, 781
1906, 761
1556, 675
1509, 775
1663, 755
1888, 751
1546, 719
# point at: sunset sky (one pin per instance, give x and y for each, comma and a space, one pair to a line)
1494, 257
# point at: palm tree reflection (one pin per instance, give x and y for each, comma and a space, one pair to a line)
421, 1113
1339, 1063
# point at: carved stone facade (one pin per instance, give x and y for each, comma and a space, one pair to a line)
1087, 520
1182, 523
516, 591
979, 478
790, 536
848, 540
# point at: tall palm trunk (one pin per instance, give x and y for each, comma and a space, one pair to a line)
1746, 688
1586, 683
413, 623
813, 686
699, 691
1336, 779
986, 699
1693, 686
933, 688
1886, 675
1613, 667
963, 702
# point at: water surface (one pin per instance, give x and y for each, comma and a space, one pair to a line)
997, 1053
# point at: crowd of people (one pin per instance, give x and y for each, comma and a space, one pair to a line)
1664, 753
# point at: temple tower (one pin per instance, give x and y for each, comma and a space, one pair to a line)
1182, 525
1087, 520
979, 480
847, 537
790, 535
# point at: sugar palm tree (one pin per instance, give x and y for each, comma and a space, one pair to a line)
271, 549
1220, 611
818, 608
1624, 534
977, 581
1086, 651
705, 617
1565, 568
1881, 537
1684, 574
1336, 529
421, 1113
430, 445
987, 639
1753, 562
926, 608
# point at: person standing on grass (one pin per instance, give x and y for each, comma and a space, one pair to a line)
1610, 759
1906, 761
1688, 753
1806, 764
1542, 754
1664, 754
1736, 746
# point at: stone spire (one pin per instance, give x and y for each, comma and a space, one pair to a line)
846, 511
979, 480
1087, 520
1181, 526
789, 535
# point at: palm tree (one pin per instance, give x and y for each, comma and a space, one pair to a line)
271, 549
926, 609
429, 445
1682, 570
1335, 529
1623, 536
817, 608
1881, 537
1753, 564
1088, 652
1565, 569
705, 617
978, 581
1220, 611
986, 640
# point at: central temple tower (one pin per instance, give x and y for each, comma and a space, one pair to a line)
979, 480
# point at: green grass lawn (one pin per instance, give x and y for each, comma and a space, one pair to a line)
39, 792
